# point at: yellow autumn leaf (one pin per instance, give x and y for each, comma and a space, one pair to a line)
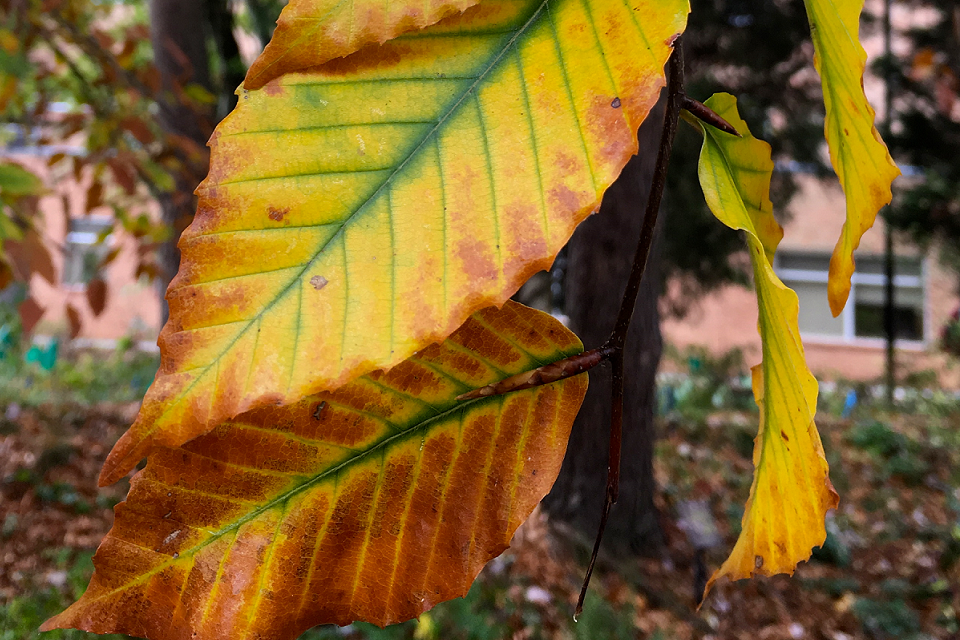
858, 154
362, 210
312, 32
791, 491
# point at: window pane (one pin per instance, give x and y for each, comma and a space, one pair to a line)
907, 312
866, 264
815, 316
803, 261
876, 265
90, 225
83, 251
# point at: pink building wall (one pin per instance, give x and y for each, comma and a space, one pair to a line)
727, 319
132, 308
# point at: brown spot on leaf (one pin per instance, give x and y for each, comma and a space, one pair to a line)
758, 562
318, 282
616, 103
476, 258
273, 89
783, 434
563, 198
277, 214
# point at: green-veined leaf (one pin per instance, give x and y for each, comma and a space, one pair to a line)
373, 502
791, 489
362, 210
857, 153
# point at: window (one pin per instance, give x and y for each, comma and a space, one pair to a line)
862, 319
87, 244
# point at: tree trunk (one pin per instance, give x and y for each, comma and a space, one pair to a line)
178, 32
600, 257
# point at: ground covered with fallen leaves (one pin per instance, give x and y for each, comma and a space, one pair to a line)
889, 568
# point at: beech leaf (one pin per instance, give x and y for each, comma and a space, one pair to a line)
374, 502
312, 32
362, 210
791, 490
857, 152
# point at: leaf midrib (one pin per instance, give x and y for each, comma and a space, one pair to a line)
361, 208
382, 445
768, 370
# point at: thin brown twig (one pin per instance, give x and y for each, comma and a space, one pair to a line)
706, 114
617, 339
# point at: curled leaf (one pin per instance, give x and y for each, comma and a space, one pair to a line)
312, 32
857, 152
791, 490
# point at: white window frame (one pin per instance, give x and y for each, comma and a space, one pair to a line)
847, 315
87, 238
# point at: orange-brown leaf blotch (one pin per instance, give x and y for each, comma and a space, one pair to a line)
312, 32
374, 502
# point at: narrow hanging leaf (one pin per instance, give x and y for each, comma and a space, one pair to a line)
312, 32
858, 154
791, 491
362, 210
374, 502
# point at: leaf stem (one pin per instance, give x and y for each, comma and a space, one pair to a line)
705, 114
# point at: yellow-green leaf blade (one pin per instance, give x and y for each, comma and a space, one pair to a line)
374, 502
791, 490
363, 210
312, 32
858, 154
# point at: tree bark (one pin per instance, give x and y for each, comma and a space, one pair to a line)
600, 257
178, 33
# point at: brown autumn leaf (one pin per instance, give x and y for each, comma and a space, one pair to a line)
94, 195
73, 318
30, 314
97, 295
124, 173
374, 502
30, 255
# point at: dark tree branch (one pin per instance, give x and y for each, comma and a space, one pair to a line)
617, 340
